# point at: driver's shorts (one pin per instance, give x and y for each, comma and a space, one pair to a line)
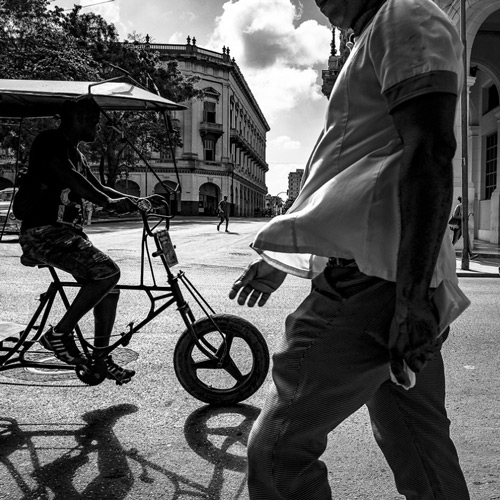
66, 249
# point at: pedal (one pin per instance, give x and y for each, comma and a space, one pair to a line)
126, 336
4, 344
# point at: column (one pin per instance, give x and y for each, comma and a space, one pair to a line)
495, 197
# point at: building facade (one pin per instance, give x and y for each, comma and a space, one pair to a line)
223, 135
294, 180
480, 116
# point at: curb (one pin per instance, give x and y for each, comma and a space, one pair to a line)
481, 254
468, 274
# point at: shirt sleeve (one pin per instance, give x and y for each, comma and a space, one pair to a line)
415, 50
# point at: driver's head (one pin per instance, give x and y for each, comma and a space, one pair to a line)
81, 117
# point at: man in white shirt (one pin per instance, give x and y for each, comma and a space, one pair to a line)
368, 227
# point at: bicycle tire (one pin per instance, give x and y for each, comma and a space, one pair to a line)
213, 386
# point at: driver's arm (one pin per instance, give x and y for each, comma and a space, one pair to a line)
68, 177
110, 192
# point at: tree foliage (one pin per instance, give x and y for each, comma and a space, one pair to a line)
39, 42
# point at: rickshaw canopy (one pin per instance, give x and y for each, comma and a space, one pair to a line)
39, 98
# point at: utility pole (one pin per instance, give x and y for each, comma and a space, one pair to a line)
465, 141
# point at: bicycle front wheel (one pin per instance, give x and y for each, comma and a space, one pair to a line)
240, 365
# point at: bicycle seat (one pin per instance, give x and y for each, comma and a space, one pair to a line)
28, 261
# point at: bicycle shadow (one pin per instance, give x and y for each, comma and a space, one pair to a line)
115, 477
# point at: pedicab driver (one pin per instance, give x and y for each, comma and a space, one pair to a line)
49, 204
368, 226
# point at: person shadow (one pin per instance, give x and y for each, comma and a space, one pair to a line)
115, 478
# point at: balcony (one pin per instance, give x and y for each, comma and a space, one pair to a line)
214, 129
238, 139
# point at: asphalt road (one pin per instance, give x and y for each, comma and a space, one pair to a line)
150, 439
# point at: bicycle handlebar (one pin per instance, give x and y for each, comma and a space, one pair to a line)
146, 209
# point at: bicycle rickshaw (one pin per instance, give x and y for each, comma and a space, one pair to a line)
220, 359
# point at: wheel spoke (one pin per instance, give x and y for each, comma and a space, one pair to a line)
206, 364
232, 369
228, 364
225, 346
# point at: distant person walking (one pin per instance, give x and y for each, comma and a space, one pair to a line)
223, 213
89, 210
456, 219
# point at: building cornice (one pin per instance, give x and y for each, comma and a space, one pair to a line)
211, 58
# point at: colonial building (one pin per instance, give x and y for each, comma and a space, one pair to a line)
481, 116
223, 135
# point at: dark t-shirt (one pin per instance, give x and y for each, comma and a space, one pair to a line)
43, 198
223, 208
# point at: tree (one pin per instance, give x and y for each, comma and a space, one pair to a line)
41, 43
35, 45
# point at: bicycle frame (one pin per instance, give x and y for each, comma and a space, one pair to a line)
160, 299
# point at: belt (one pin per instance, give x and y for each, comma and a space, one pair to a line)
340, 262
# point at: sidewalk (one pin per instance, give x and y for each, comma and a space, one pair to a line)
485, 265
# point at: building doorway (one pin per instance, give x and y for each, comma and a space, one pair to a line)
208, 199
172, 197
127, 186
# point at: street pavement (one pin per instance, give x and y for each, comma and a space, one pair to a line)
151, 440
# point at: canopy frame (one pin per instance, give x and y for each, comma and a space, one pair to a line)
21, 99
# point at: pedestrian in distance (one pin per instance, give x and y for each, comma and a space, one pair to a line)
368, 228
456, 226
50, 205
88, 207
223, 212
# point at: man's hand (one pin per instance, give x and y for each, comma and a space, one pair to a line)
256, 284
121, 205
413, 338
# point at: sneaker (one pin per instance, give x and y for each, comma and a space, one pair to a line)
117, 373
63, 346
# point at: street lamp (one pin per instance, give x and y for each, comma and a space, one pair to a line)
465, 139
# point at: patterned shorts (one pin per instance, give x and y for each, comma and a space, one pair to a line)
67, 250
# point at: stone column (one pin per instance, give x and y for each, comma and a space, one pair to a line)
495, 197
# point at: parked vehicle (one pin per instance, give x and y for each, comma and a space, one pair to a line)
8, 221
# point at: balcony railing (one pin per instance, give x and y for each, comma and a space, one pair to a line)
211, 128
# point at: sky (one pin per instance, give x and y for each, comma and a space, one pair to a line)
281, 47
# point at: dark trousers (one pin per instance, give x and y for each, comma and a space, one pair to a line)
327, 368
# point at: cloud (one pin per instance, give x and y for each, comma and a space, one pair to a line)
281, 88
277, 176
284, 142
177, 38
187, 16
109, 11
276, 53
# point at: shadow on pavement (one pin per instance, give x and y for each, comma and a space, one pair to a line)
115, 478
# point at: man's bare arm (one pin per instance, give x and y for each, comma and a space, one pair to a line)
425, 125
108, 191
79, 184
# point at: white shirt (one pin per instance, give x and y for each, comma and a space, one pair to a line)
348, 205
